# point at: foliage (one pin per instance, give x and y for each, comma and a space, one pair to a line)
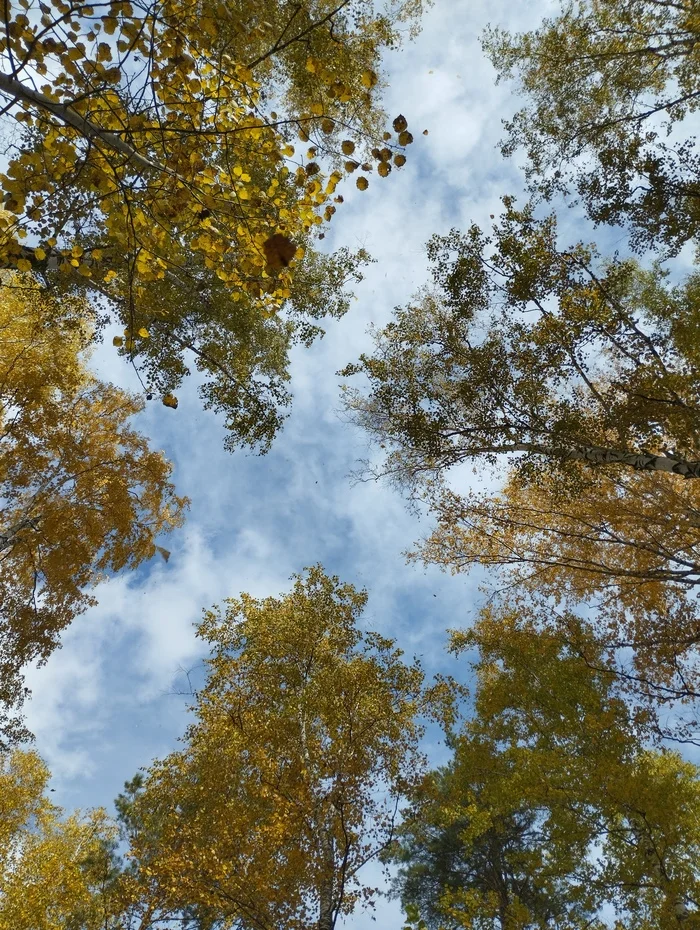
288, 782
533, 351
607, 84
82, 493
159, 163
552, 806
55, 871
584, 378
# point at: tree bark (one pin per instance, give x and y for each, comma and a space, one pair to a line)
8, 536
599, 455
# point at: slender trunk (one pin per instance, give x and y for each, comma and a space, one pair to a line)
326, 904
63, 111
9, 536
599, 455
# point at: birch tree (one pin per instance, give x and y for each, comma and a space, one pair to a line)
607, 86
304, 741
81, 492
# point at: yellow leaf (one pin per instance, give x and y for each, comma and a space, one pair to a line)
143, 332
169, 400
117, 341
317, 109
362, 183
39, 254
24, 265
369, 78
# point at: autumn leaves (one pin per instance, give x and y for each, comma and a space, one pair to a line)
154, 186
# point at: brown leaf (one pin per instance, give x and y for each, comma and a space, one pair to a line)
279, 251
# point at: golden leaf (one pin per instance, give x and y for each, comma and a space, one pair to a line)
169, 400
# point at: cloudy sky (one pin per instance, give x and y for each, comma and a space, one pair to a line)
107, 702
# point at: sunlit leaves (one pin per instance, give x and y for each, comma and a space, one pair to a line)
606, 83
82, 493
305, 735
150, 161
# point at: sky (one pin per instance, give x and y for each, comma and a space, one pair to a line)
110, 700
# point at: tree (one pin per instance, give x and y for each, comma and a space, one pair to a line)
606, 83
581, 375
554, 805
55, 871
156, 166
82, 494
304, 741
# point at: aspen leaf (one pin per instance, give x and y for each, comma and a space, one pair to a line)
369, 78
347, 146
327, 126
400, 123
351, 166
399, 160
169, 400
24, 264
383, 169
143, 332
405, 138
279, 251
362, 183
39, 254
317, 109
118, 341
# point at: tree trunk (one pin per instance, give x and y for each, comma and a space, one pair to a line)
8, 537
599, 455
326, 896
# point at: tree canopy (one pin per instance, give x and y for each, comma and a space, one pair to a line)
554, 805
608, 85
577, 377
289, 781
154, 159
82, 493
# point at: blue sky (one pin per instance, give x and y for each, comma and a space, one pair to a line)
105, 704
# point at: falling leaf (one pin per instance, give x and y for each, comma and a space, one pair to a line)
164, 552
118, 341
362, 183
279, 251
169, 400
